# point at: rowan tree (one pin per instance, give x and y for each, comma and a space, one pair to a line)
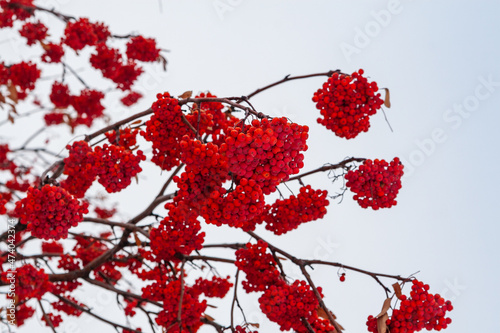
222, 161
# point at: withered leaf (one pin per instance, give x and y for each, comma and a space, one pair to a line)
322, 313
382, 323
397, 289
387, 101
186, 94
385, 308
256, 325
138, 121
12, 93
137, 240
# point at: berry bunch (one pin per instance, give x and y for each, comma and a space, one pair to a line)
80, 166
87, 106
52, 247
346, 103
60, 95
117, 166
165, 130
30, 283
50, 211
217, 287
169, 293
236, 207
23, 76
376, 183
259, 267
82, 32
142, 49
266, 151
33, 32
53, 53
179, 232
421, 310
288, 214
286, 305
206, 170
131, 98
126, 137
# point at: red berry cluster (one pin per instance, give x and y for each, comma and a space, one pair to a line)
104, 213
131, 98
62, 306
52, 247
191, 308
126, 137
206, 170
11, 11
259, 267
53, 53
87, 106
60, 95
82, 32
30, 283
52, 320
421, 310
179, 232
288, 214
50, 211
346, 103
217, 287
286, 305
376, 183
266, 151
33, 32
234, 208
23, 77
117, 166
109, 61
23, 311
165, 130
142, 49
53, 118
80, 166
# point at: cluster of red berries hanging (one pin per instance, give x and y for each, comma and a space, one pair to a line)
421, 310
113, 165
346, 103
50, 211
288, 214
376, 183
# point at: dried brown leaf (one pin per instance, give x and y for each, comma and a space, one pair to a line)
382, 323
387, 101
385, 308
322, 313
397, 289
137, 240
12, 93
256, 325
2, 98
186, 94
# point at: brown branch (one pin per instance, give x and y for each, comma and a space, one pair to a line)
81, 308
117, 224
290, 78
121, 292
328, 167
47, 318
